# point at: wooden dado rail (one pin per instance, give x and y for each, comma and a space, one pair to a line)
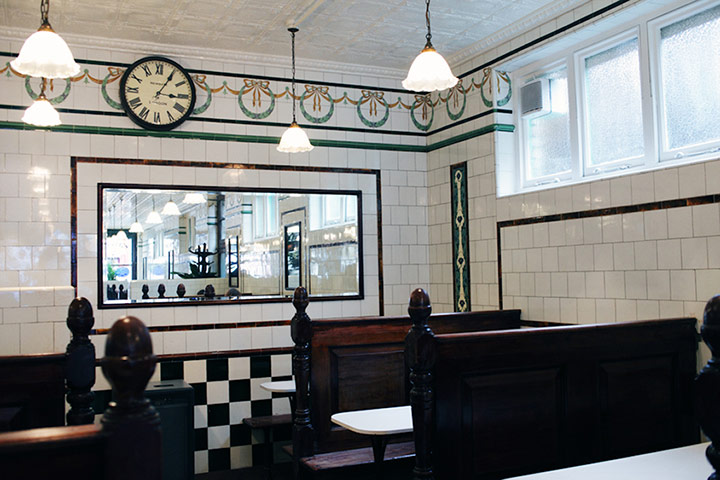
497, 404
128, 443
346, 364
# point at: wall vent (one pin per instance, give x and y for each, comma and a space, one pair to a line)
535, 99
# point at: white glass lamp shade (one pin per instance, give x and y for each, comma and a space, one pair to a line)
153, 218
41, 113
194, 198
429, 72
294, 140
45, 54
136, 227
170, 208
121, 235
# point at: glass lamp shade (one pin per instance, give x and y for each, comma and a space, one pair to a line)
41, 113
194, 198
121, 236
429, 72
153, 218
170, 208
136, 227
45, 54
294, 140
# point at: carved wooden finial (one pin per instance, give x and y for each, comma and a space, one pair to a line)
301, 332
420, 355
707, 384
135, 443
80, 363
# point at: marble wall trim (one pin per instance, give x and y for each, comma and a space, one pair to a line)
460, 236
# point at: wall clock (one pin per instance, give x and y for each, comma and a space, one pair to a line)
157, 93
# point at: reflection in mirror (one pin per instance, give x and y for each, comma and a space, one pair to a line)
188, 246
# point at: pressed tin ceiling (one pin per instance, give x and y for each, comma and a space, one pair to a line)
374, 33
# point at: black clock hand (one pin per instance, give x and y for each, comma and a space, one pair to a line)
165, 84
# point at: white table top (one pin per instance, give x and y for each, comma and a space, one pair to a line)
378, 421
285, 386
686, 463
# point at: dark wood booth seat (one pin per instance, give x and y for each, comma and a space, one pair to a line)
346, 364
33, 387
514, 402
128, 443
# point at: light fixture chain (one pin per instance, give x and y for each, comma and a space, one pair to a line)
293, 72
427, 21
44, 10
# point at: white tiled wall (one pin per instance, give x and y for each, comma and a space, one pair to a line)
35, 214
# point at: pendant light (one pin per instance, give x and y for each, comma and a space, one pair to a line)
41, 113
153, 217
121, 235
294, 140
429, 71
194, 198
136, 227
170, 208
45, 53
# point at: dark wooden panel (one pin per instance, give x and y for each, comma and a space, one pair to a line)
519, 401
500, 409
358, 363
35, 384
637, 391
371, 376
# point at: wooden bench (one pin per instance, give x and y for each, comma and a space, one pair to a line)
347, 364
503, 403
267, 424
33, 387
128, 442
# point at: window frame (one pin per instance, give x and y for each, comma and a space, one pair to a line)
647, 28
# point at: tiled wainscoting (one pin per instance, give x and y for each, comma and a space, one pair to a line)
646, 261
227, 389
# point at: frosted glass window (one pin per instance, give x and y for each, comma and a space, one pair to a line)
690, 73
548, 136
613, 104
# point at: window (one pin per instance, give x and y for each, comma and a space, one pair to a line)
689, 71
548, 153
611, 84
266, 216
332, 209
627, 101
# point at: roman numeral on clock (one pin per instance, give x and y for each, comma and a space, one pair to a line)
180, 83
134, 102
146, 69
131, 89
144, 113
179, 108
137, 79
159, 68
170, 117
156, 117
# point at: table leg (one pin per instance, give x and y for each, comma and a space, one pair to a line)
379, 442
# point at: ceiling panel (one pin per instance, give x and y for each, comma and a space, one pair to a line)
386, 34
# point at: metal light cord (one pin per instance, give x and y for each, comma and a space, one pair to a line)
427, 21
292, 33
44, 10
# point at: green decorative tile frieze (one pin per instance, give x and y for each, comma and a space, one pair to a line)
257, 97
460, 237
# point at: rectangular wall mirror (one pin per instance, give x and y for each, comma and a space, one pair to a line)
195, 245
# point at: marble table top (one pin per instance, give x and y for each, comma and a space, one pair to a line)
285, 386
378, 421
685, 463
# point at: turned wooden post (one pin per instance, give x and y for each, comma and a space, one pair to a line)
420, 355
134, 444
80, 363
301, 332
707, 384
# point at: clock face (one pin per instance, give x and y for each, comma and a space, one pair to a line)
157, 93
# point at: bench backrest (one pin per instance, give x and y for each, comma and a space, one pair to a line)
515, 402
358, 363
127, 444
